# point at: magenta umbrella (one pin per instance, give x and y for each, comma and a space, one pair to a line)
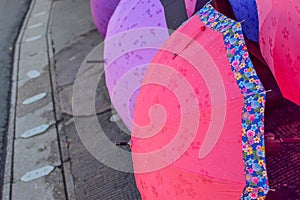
190, 7
136, 30
279, 39
198, 131
102, 10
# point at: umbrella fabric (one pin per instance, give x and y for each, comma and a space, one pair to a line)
135, 32
194, 5
279, 38
201, 3
246, 11
190, 7
102, 10
198, 130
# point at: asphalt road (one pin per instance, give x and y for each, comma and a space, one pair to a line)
12, 13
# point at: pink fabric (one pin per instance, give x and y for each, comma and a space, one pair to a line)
136, 30
134, 33
189, 99
102, 10
190, 7
279, 24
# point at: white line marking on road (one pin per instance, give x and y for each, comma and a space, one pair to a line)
34, 98
35, 131
114, 118
38, 173
39, 14
33, 74
72, 58
33, 38
35, 25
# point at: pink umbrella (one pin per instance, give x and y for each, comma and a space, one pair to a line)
279, 38
198, 131
193, 6
102, 10
190, 7
136, 31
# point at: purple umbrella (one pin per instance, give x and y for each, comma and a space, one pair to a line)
102, 10
136, 30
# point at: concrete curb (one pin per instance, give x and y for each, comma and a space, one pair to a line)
8, 171
66, 165
32, 158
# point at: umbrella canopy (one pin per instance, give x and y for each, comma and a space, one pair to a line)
102, 10
246, 11
279, 38
198, 131
135, 32
193, 6
190, 7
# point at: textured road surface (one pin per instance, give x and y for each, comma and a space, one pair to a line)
12, 13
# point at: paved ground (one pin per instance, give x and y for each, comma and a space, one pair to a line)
33, 168
12, 13
284, 168
91, 178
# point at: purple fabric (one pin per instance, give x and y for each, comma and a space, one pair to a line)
102, 10
136, 31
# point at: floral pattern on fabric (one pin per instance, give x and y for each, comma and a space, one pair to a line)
254, 101
279, 43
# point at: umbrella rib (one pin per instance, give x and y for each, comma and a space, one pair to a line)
190, 42
252, 93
